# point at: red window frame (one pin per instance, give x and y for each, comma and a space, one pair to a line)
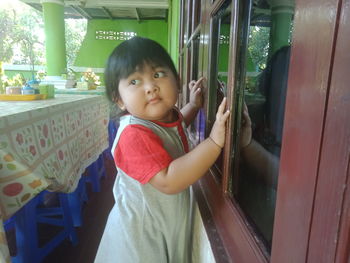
318, 72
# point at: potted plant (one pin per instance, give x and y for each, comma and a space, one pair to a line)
40, 75
13, 85
91, 78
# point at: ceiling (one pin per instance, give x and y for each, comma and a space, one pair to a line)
110, 9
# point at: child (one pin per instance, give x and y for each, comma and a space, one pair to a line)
151, 218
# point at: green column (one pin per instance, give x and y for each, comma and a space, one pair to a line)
55, 37
173, 30
281, 22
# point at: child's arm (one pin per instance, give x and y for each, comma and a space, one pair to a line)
264, 163
190, 110
187, 169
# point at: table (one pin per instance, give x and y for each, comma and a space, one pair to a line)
75, 91
113, 109
46, 145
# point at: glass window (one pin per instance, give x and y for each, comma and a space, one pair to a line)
196, 129
220, 45
196, 17
190, 63
263, 81
186, 7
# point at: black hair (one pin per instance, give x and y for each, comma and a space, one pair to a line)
131, 54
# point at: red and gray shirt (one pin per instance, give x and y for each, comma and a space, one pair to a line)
146, 225
140, 151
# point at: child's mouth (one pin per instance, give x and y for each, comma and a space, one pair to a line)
154, 100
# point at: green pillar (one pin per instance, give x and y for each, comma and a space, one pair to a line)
173, 30
281, 22
55, 37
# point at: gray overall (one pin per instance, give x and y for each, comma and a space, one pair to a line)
146, 225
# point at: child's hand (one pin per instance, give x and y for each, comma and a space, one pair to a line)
246, 128
217, 133
196, 94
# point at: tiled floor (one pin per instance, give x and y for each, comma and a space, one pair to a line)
95, 213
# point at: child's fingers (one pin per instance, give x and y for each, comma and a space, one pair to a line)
245, 108
194, 85
222, 106
246, 118
191, 84
199, 81
226, 115
222, 118
222, 114
199, 90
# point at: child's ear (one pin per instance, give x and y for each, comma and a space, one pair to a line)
120, 104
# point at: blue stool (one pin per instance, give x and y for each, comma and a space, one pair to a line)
26, 220
76, 200
112, 132
96, 171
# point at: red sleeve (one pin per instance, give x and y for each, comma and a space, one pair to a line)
140, 153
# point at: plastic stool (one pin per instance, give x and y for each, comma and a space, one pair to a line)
76, 200
26, 222
101, 166
96, 171
112, 132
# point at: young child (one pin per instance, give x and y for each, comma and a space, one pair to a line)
151, 218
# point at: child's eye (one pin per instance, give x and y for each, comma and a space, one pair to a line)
159, 74
135, 82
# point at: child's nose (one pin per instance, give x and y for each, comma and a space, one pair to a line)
151, 87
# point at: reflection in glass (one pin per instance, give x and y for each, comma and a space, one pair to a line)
196, 129
266, 75
220, 45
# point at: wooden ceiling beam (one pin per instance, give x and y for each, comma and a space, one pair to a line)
137, 15
82, 12
163, 4
107, 12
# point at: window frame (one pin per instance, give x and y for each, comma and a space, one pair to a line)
211, 193
231, 236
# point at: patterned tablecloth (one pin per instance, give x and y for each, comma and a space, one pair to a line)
47, 144
75, 91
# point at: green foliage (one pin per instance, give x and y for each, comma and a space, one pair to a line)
7, 29
19, 38
22, 37
40, 75
75, 30
258, 45
15, 81
30, 23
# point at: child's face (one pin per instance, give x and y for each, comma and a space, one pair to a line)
149, 93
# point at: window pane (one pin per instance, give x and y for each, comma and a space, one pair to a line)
197, 127
221, 24
196, 7
186, 21
264, 81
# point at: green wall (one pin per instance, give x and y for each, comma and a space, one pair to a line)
94, 52
224, 54
173, 28
25, 73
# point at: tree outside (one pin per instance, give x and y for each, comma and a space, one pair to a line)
259, 45
22, 37
7, 31
75, 32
